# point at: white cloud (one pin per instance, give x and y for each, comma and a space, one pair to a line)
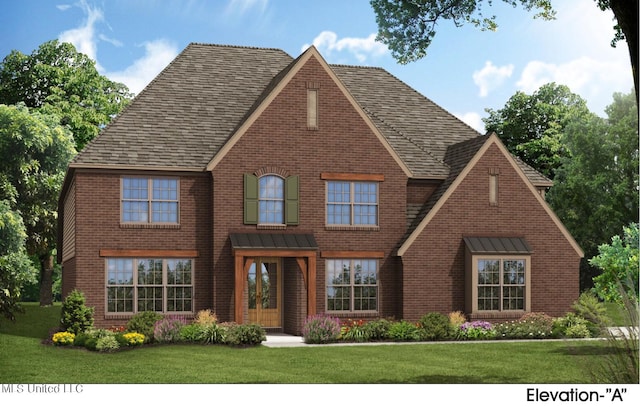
472, 119
242, 6
63, 7
327, 42
590, 78
83, 37
491, 77
158, 54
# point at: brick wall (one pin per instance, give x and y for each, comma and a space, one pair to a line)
98, 228
434, 269
343, 143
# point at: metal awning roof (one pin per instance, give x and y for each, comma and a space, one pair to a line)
291, 241
497, 245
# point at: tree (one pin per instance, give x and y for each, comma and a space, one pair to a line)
58, 80
531, 126
595, 191
35, 151
619, 264
408, 27
16, 268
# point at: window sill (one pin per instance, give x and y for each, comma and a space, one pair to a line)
352, 228
271, 227
353, 314
149, 226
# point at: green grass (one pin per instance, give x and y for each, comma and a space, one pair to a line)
25, 360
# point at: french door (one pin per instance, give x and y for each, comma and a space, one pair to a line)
265, 292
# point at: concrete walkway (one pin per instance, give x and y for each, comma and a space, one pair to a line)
280, 340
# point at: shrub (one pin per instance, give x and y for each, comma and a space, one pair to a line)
476, 330
168, 328
533, 325
435, 326
192, 332
245, 334
205, 317
404, 331
570, 325
144, 323
75, 316
81, 339
457, 318
214, 333
107, 344
63, 338
321, 329
589, 307
354, 331
378, 329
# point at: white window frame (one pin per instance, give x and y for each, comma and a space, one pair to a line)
267, 199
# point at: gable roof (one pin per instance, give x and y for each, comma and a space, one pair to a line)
462, 158
184, 118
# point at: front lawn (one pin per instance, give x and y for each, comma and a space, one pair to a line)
25, 360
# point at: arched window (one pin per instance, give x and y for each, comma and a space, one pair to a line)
271, 200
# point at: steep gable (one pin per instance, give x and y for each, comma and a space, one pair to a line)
279, 83
463, 158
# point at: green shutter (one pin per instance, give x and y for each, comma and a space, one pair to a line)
250, 199
292, 203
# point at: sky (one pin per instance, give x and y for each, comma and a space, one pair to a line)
466, 70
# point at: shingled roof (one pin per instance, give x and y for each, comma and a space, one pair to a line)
190, 110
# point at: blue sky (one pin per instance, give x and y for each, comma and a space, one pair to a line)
465, 71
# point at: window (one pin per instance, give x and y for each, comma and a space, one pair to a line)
271, 200
352, 203
501, 284
147, 200
161, 285
352, 285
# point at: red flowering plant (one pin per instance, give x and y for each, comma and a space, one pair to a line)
354, 331
118, 329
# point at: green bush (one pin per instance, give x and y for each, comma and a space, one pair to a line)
144, 323
192, 333
76, 317
245, 334
107, 344
404, 331
378, 329
354, 331
570, 325
476, 330
213, 333
435, 326
589, 307
321, 329
533, 325
81, 339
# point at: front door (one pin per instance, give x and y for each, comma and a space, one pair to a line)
265, 286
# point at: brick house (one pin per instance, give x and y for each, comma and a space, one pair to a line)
268, 188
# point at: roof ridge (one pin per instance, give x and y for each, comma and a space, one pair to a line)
236, 46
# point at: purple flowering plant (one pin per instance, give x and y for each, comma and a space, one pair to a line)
475, 330
321, 329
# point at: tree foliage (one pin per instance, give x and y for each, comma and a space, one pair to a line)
16, 268
58, 80
408, 27
595, 191
619, 263
36, 150
531, 126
